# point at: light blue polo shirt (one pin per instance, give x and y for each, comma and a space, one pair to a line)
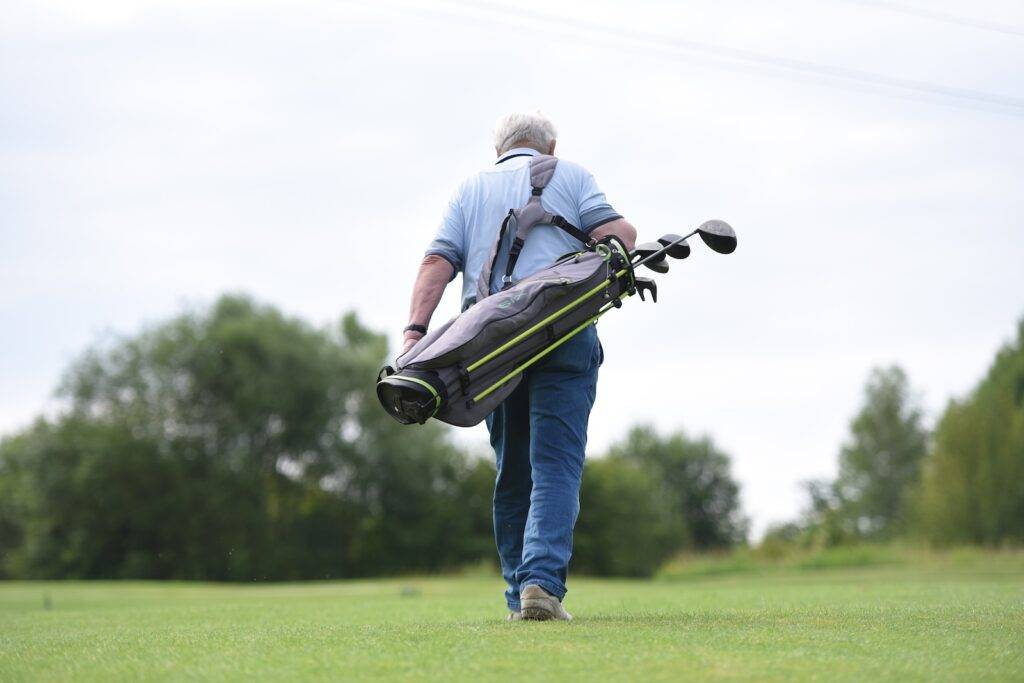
474, 215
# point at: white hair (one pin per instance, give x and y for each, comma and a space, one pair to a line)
524, 130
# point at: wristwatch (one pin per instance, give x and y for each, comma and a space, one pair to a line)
422, 329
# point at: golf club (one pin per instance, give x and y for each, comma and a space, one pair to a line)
718, 235
678, 250
646, 284
660, 267
652, 255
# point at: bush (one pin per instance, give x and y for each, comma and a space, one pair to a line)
625, 527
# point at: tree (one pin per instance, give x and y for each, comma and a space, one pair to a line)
822, 519
880, 463
973, 482
695, 476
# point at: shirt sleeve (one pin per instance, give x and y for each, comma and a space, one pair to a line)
450, 241
594, 208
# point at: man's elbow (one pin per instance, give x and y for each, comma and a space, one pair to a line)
439, 266
628, 234
619, 227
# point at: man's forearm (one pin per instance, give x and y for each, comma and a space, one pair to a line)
619, 227
434, 275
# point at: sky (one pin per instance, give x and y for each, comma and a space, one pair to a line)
870, 156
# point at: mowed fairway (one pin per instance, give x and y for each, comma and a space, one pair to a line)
837, 624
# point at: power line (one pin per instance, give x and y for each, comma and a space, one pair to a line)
719, 56
944, 17
1014, 105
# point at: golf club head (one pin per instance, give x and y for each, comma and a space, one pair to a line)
678, 251
718, 235
646, 284
646, 249
657, 261
658, 265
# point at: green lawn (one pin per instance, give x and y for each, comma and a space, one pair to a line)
894, 623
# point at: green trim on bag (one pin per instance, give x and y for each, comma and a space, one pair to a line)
604, 309
522, 335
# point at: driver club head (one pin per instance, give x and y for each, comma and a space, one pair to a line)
677, 251
718, 235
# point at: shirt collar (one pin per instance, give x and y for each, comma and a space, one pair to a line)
517, 151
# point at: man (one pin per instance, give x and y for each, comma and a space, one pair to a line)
539, 433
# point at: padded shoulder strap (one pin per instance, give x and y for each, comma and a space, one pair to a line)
483, 283
521, 221
542, 167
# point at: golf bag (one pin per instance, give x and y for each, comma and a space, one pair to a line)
461, 371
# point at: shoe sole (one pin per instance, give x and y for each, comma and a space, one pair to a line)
537, 613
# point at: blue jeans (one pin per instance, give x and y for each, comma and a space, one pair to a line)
539, 435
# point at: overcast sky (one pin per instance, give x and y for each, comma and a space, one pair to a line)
155, 155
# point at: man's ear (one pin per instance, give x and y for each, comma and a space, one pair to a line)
551, 147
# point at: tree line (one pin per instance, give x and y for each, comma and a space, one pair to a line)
960, 483
236, 443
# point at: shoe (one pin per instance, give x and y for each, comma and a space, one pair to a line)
514, 616
539, 605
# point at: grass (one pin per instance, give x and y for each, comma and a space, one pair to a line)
766, 559
947, 620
